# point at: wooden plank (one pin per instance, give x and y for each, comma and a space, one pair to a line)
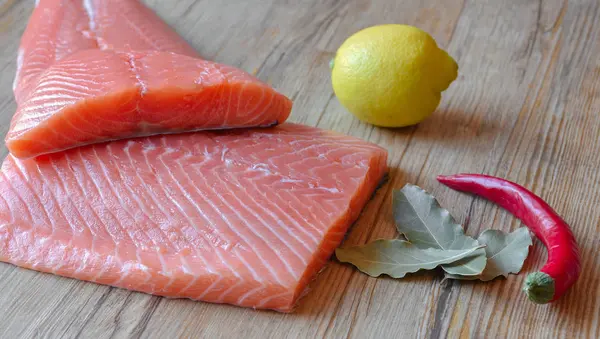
525, 107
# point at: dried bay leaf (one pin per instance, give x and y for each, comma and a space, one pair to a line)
397, 258
426, 224
506, 253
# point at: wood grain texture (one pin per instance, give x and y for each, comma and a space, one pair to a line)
525, 106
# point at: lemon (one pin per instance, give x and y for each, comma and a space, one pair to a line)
391, 75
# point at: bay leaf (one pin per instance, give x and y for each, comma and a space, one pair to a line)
397, 258
426, 224
506, 253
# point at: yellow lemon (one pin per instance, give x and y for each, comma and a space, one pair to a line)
391, 75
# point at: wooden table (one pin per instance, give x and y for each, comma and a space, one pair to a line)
526, 106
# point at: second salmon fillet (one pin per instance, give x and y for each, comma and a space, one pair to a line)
94, 96
240, 217
97, 70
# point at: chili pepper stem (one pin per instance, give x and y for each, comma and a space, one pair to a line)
539, 287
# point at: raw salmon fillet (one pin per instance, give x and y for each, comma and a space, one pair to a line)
245, 217
90, 71
94, 96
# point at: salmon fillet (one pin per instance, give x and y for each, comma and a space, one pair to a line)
94, 96
90, 71
245, 217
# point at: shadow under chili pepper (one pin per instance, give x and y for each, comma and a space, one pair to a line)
580, 300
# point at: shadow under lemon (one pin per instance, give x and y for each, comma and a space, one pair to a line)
451, 125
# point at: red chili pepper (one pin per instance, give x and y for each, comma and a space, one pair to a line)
563, 265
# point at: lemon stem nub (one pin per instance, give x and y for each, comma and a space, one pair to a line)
331, 63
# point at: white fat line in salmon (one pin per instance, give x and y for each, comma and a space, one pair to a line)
89, 9
19, 67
